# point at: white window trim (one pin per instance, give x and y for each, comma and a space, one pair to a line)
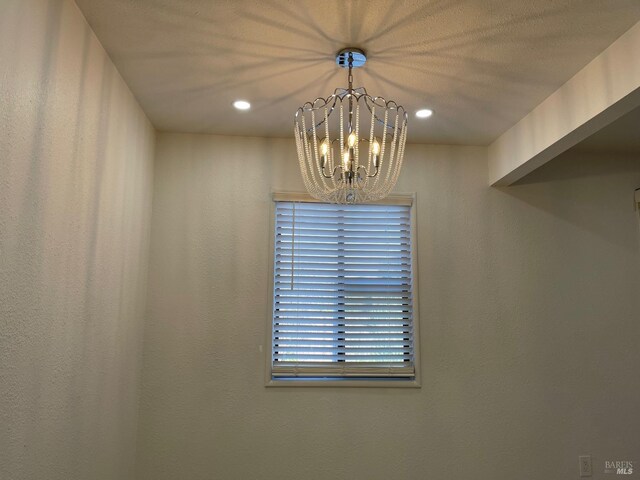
400, 199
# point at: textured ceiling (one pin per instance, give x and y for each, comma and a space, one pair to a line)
481, 65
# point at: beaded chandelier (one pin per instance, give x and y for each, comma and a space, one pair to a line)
341, 162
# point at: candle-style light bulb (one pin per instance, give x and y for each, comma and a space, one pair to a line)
352, 139
324, 148
375, 150
346, 158
375, 147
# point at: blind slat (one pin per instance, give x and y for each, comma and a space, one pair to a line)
352, 328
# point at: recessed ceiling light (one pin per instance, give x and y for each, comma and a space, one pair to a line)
242, 105
424, 113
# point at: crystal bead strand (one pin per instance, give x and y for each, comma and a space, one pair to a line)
393, 160
315, 189
330, 162
356, 150
316, 156
382, 152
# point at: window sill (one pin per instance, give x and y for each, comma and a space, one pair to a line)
322, 382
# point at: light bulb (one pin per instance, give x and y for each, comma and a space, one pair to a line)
242, 105
324, 148
352, 139
345, 159
424, 113
375, 147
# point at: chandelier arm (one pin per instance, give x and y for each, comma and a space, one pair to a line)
366, 174
335, 169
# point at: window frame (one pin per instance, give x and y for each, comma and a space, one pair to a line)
400, 199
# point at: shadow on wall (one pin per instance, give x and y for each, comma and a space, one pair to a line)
75, 183
22, 244
598, 210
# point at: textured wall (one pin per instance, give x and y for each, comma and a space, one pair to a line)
529, 325
76, 160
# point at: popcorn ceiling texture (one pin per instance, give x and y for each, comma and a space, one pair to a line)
76, 164
528, 320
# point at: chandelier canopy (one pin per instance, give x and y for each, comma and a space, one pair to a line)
350, 145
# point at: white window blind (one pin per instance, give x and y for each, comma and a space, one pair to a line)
343, 304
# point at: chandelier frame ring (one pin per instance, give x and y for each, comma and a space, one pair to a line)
386, 104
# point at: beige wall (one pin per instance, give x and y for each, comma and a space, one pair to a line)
76, 160
528, 299
529, 325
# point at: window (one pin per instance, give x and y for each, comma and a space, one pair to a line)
343, 304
